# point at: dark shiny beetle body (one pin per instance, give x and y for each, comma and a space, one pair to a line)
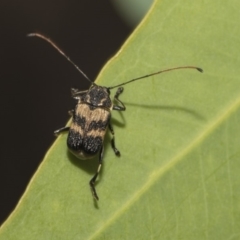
92, 115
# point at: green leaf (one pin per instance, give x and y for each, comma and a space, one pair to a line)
178, 175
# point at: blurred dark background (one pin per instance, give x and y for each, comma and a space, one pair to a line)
36, 79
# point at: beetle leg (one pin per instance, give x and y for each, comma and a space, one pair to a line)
70, 112
117, 107
76, 94
60, 130
116, 151
93, 180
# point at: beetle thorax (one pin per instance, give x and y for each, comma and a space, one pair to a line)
98, 96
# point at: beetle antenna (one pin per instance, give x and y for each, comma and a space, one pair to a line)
151, 74
60, 51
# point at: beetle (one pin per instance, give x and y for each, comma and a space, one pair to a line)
91, 117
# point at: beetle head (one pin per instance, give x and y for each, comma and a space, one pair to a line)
98, 96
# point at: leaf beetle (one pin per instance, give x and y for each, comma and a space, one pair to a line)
91, 117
